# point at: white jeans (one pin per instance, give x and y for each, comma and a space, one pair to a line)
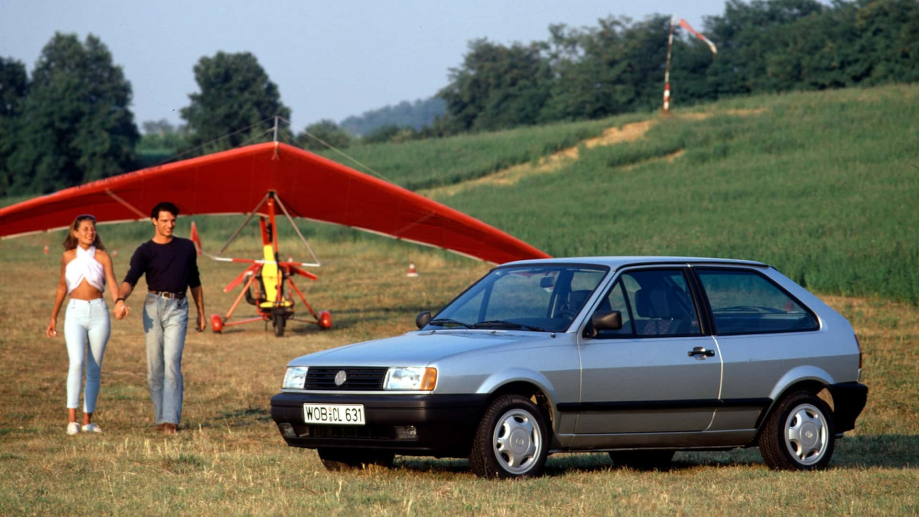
85, 321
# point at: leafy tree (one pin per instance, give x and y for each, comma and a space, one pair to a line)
76, 125
498, 86
614, 68
235, 95
417, 115
14, 85
327, 131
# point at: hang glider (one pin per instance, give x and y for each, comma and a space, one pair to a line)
240, 180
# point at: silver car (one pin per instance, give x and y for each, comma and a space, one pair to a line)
637, 356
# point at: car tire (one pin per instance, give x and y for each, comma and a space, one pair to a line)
511, 441
799, 434
642, 460
337, 460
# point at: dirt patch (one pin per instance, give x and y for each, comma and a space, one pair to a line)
744, 112
511, 175
735, 112
549, 164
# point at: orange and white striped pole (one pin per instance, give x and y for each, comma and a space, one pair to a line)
667, 72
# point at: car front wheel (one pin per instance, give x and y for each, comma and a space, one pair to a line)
511, 440
799, 434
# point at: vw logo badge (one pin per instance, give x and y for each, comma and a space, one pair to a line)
340, 377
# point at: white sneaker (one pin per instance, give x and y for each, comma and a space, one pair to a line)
92, 428
73, 428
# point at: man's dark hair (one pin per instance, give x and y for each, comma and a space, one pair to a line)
164, 206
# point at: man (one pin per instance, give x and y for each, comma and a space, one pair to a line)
170, 266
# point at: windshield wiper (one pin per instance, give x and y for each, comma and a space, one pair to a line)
446, 321
502, 323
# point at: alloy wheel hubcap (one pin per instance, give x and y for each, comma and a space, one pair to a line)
806, 434
516, 441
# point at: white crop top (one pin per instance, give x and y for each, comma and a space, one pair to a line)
85, 266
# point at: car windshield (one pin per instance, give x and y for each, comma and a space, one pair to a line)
541, 298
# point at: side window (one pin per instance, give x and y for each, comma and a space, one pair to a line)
661, 303
745, 302
615, 301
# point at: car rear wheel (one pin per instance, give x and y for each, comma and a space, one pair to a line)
641, 460
337, 460
511, 440
799, 434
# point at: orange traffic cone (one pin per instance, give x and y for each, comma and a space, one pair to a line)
46, 249
411, 270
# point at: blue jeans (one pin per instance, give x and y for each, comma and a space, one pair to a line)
165, 323
86, 320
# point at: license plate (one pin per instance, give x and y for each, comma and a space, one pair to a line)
339, 414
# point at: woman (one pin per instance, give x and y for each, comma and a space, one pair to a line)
85, 268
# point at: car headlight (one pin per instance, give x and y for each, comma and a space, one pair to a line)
295, 377
410, 379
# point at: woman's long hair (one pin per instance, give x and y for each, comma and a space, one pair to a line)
71, 242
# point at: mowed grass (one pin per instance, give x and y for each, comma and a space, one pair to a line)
230, 459
824, 186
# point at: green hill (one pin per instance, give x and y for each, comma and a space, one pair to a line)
824, 186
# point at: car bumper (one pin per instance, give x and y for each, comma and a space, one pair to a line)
849, 400
444, 425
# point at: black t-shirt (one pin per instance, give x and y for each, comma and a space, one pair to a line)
171, 267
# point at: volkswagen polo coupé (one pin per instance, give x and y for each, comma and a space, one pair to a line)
637, 356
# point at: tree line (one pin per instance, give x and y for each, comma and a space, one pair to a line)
618, 66
71, 122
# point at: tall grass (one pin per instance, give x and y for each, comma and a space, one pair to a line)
436, 162
824, 186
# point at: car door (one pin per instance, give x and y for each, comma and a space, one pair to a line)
763, 332
659, 372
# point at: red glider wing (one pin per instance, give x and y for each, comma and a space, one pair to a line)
235, 181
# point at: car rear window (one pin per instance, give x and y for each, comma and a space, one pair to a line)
746, 302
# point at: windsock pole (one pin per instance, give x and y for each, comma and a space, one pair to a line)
667, 72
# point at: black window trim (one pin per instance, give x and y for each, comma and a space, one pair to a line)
687, 275
711, 314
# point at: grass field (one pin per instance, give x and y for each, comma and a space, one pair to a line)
229, 458
822, 185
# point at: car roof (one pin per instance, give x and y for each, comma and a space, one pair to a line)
620, 262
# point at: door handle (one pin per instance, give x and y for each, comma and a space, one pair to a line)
699, 350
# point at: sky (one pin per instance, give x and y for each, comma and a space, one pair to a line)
330, 60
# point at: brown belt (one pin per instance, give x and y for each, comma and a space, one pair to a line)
165, 294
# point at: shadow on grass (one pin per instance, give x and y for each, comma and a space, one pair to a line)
885, 450
238, 418
857, 452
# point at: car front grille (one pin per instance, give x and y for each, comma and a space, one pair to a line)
358, 378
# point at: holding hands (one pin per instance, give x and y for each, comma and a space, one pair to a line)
121, 309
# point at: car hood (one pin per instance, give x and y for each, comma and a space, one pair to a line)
421, 348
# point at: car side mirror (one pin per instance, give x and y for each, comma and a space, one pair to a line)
603, 320
423, 319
